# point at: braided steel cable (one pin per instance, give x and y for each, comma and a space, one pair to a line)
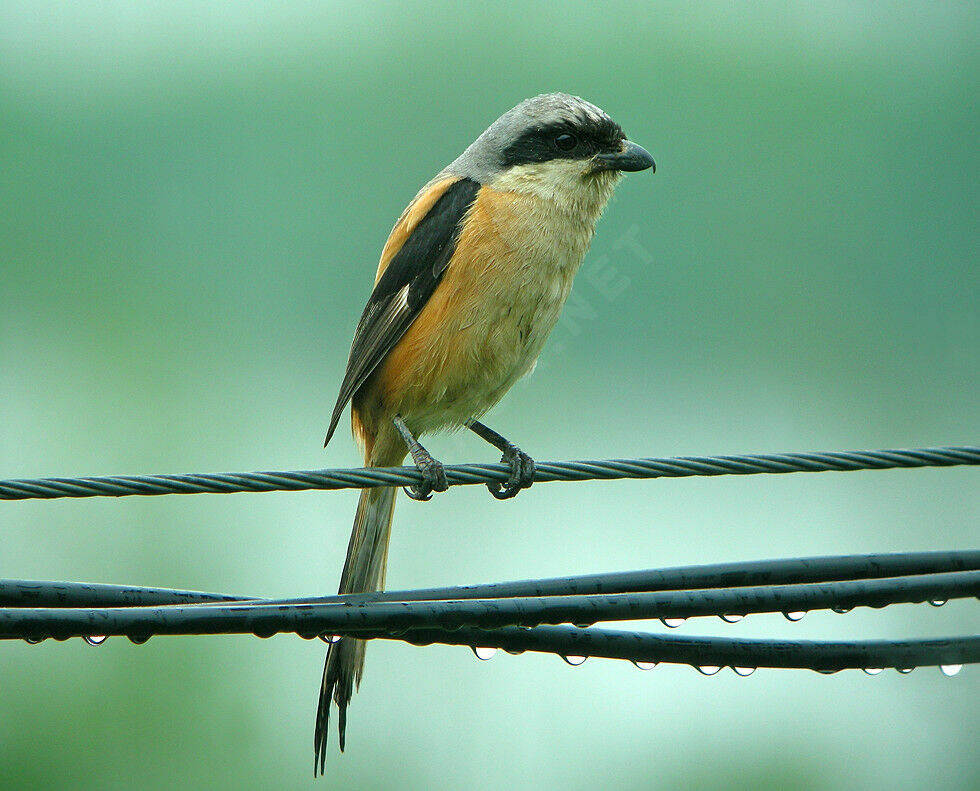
362, 478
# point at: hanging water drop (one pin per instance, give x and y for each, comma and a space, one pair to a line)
574, 661
708, 670
484, 652
644, 665
950, 670
873, 671
95, 639
743, 671
796, 615
841, 610
33, 640
672, 623
937, 602
904, 670
330, 638
138, 639
731, 618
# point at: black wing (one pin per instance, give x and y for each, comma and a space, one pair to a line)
404, 287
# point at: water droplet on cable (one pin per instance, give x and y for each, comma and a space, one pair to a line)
873, 671
937, 602
95, 639
330, 638
672, 623
905, 670
731, 618
514, 651
950, 670
841, 610
33, 640
574, 661
483, 652
138, 639
645, 665
743, 671
708, 670
796, 615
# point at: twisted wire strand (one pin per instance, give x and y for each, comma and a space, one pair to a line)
461, 474
790, 571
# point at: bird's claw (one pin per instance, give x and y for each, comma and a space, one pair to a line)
433, 480
521, 474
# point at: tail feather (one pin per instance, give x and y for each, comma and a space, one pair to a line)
364, 572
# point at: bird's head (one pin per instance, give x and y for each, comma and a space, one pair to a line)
555, 146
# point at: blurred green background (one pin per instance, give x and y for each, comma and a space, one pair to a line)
193, 198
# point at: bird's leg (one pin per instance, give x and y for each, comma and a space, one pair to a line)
433, 475
521, 465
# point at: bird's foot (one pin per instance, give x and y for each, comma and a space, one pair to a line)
521, 465
433, 477
521, 473
433, 474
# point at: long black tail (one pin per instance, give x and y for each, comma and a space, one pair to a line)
364, 572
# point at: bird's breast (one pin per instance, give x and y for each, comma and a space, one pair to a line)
487, 321
519, 269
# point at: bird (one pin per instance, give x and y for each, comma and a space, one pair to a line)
470, 283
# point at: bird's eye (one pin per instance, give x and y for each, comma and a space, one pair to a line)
566, 142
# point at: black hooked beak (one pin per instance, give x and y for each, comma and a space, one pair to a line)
630, 158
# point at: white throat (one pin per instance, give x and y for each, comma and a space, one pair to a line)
564, 182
